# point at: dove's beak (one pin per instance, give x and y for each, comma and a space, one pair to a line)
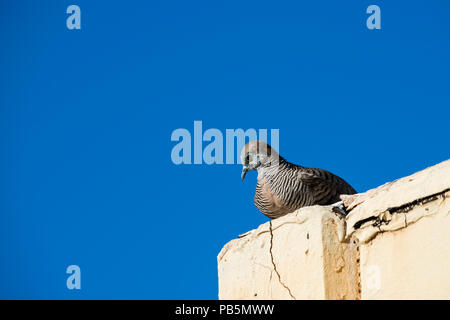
244, 172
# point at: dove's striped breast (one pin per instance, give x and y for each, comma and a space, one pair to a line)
290, 187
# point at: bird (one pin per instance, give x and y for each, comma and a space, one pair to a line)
283, 187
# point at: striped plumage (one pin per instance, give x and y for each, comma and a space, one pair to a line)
284, 187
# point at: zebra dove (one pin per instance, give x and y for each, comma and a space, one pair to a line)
284, 187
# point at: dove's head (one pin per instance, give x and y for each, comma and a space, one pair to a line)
255, 155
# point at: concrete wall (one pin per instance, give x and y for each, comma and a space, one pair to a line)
410, 263
393, 244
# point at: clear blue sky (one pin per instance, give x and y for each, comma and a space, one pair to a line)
86, 117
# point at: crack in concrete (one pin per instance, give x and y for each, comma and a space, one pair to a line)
411, 205
273, 262
278, 226
405, 208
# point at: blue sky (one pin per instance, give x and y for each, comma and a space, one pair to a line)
86, 118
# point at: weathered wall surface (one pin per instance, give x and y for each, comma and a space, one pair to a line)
298, 256
411, 263
393, 244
